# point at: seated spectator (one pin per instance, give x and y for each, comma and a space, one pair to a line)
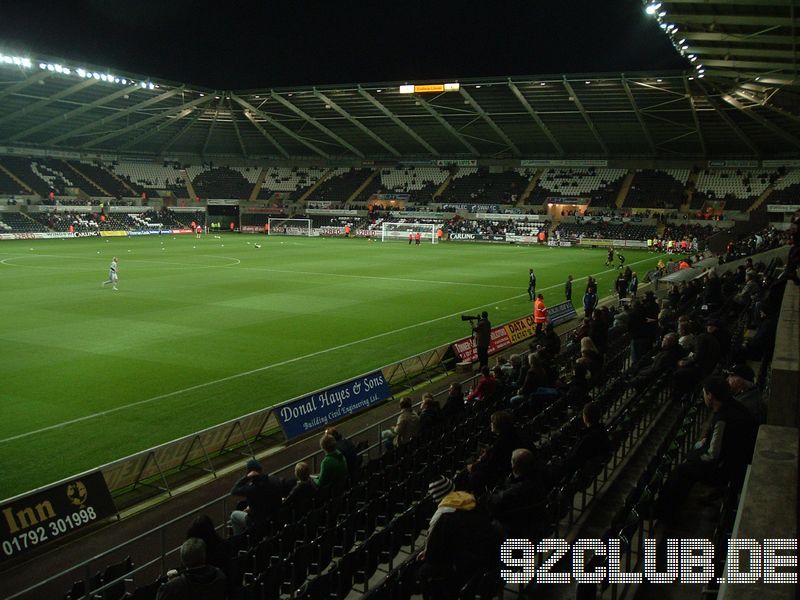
461, 543
593, 442
262, 498
349, 452
700, 363
716, 327
721, 456
535, 378
406, 428
454, 403
196, 580
485, 388
493, 463
551, 341
762, 343
591, 356
430, 415
301, 496
218, 552
333, 468
511, 503
664, 361
741, 380
579, 386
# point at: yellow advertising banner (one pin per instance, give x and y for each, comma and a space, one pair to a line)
113, 234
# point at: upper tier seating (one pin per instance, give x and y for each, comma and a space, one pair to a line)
739, 188
659, 188
222, 182
340, 185
420, 183
149, 177
100, 176
290, 183
479, 185
600, 185
787, 189
8, 185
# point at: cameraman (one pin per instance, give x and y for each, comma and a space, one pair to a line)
482, 330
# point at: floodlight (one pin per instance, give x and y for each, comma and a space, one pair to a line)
96, 76
143, 85
652, 8
663, 26
42, 66
150, 86
124, 81
663, 13
701, 75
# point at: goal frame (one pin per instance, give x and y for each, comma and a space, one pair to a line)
404, 228
294, 223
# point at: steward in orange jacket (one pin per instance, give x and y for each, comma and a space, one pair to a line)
539, 313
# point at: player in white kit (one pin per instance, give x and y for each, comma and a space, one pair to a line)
112, 274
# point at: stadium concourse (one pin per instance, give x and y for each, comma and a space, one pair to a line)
664, 410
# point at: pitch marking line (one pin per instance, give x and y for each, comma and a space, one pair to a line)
282, 363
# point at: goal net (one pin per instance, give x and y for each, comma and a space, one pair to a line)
290, 227
401, 231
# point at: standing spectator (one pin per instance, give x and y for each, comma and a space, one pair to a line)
621, 286
589, 302
568, 289
301, 496
539, 313
482, 330
333, 468
196, 580
262, 498
633, 285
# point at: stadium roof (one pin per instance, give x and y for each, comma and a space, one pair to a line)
738, 98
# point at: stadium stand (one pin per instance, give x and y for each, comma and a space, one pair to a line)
100, 176
340, 185
658, 188
600, 185
150, 177
290, 183
787, 189
606, 230
739, 188
22, 169
9, 185
14, 222
223, 182
420, 183
481, 185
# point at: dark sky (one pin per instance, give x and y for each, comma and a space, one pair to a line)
238, 44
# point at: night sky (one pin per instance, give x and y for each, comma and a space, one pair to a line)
240, 44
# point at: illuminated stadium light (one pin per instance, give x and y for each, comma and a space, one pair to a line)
682, 41
651, 9
701, 75
379, 91
684, 47
16, 61
663, 13
543, 83
692, 57
663, 26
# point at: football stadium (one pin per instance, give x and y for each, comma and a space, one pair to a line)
480, 335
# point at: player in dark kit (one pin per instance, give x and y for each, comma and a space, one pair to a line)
610, 256
621, 260
531, 284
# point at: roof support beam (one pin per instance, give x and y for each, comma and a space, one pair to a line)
701, 36
585, 115
746, 64
745, 20
184, 129
535, 116
443, 122
236, 128
278, 125
265, 133
690, 97
722, 51
762, 121
21, 85
396, 120
212, 125
489, 121
281, 100
161, 116
363, 128
638, 114
733, 2
32, 108
163, 125
73, 113
748, 142
114, 117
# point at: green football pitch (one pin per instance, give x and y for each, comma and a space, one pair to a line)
203, 331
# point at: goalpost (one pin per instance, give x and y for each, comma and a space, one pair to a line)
290, 227
401, 231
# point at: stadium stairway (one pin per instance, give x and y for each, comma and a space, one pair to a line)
762, 198
625, 188
301, 201
123, 183
362, 187
445, 184
523, 198
262, 174
85, 178
189, 187
691, 186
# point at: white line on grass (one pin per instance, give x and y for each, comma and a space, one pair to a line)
283, 362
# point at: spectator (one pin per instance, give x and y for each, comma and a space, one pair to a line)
430, 415
591, 356
262, 498
493, 463
348, 450
301, 497
741, 380
333, 469
663, 362
407, 426
512, 504
218, 552
589, 302
485, 388
716, 328
721, 456
454, 404
593, 443
700, 363
196, 580
551, 341
535, 378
